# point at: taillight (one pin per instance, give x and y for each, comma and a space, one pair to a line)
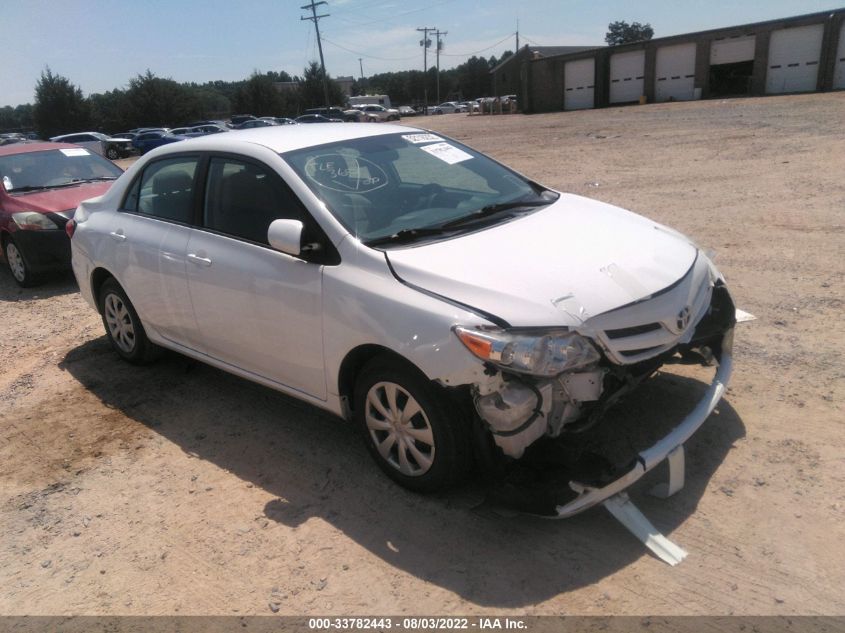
70, 227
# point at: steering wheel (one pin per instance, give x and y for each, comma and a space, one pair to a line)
427, 194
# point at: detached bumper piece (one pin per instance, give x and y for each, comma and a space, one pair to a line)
669, 448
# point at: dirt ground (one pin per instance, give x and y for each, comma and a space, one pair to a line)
179, 489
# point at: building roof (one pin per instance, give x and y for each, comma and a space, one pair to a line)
543, 51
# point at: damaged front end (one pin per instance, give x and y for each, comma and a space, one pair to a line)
559, 384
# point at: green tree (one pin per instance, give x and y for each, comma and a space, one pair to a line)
258, 96
111, 111
473, 78
17, 119
311, 89
161, 102
59, 106
621, 32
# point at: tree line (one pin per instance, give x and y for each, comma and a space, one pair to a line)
150, 101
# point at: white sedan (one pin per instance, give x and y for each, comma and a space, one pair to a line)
449, 107
455, 310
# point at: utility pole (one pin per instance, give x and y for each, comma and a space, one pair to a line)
315, 19
425, 43
517, 35
437, 35
361, 64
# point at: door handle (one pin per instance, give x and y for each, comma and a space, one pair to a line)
204, 261
118, 235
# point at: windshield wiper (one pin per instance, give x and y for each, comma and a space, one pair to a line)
492, 209
43, 187
99, 178
406, 236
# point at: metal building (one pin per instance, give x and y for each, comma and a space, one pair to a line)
804, 53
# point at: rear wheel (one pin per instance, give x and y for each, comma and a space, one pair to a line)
112, 153
123, 327
407, 427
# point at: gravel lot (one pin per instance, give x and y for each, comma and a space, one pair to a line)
176, 488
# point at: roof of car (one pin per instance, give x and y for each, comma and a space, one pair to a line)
24, 148
73, 134
285, 138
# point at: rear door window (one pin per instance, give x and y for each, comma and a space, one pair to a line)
165, 190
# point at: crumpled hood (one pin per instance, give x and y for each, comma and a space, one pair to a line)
561, 265
53, 200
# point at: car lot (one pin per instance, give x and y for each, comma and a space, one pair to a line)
177, 488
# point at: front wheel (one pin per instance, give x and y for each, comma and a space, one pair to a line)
407, 427
112, 153
21, 271
123, 327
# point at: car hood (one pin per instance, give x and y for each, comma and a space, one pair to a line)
560, 265
53, 200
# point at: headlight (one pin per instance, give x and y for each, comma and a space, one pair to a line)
33, 221
539, 354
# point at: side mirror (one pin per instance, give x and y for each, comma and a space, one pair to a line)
286, 236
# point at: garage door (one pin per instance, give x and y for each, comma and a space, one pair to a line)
626, 76
794, 59
839, 73
732, 50
675, 73
579, 84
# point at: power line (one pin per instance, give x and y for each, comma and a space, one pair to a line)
507, 37
384, 59
399, 15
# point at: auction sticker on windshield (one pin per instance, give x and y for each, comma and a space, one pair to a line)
447, 153
421, 138
74, 152
345, 173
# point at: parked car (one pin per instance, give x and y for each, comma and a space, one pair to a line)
315, 118
108, 146
12, 138
237, 119
180, 131
253, 123
145, 141
337, 113
379, 113
452, 308
140, 130
449, 107
41, 185
406, 111
216, 122
203, 130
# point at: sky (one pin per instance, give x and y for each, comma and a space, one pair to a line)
100, 45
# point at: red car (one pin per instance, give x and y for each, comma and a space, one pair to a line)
41, 184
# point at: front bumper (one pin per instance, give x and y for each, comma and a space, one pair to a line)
646, 460
44, 250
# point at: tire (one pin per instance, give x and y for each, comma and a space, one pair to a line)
18, 266
123, 327
112, 153
425, 451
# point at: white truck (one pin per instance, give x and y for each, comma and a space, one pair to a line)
382, 100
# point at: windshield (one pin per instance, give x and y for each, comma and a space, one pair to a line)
54, 168
399, 184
